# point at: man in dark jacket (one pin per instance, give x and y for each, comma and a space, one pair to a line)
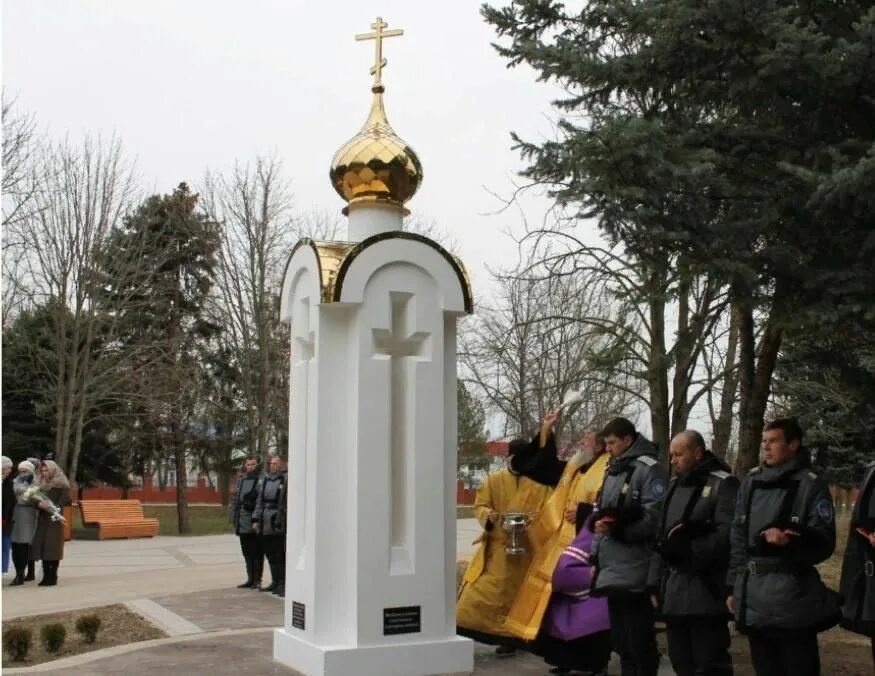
784, 526
269, 521
626, 523
242, 510
858, 569
694, 545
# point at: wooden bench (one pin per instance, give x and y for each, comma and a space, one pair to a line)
116, 519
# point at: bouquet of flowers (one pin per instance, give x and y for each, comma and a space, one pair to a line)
33, 494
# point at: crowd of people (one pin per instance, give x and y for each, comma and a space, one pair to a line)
258, 515
30, 533
616, 542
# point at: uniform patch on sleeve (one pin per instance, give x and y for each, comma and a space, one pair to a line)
720, 474
657, 488
824, 509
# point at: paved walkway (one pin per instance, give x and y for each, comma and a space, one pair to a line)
186, 586
223, 654
96, 573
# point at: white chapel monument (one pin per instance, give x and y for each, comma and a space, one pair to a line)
371, 549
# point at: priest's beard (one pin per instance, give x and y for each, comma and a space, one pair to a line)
583, 457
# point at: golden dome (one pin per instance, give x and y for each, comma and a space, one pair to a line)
376, 164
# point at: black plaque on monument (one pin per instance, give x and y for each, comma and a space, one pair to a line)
405, 620
298, 615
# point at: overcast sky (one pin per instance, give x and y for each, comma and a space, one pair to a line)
196, 84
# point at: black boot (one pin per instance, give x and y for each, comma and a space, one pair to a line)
248, 583
31, 571
274, 578
19, 562
257, 571
55, 566
280, 590
50, 574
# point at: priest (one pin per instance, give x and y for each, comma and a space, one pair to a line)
493, 577
554, 531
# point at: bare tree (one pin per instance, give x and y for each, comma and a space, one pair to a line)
85, 190
531, 347
665, 316
318, 225
427, 226
721, 356
20, 178
254, 204
20, 185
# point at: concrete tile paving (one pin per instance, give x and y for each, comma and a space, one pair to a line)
252, 654
226, 608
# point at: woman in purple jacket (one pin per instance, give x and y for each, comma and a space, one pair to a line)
575, 634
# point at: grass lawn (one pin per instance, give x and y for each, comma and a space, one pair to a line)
464, 512
118, 626
205, 519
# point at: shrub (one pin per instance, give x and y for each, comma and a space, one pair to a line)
16, 642
88, 625
53, 636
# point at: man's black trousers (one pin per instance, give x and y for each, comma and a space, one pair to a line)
785, 654
253, 554
699, 646
633, 635
275, 550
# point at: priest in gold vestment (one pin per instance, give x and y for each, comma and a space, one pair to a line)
553, 530
493, 577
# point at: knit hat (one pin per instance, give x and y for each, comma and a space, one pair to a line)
6, 462
26, 466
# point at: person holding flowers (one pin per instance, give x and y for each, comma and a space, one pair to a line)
48, 541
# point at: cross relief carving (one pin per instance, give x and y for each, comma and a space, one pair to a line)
304, 340
400, 345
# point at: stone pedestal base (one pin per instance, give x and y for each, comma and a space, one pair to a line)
445, 656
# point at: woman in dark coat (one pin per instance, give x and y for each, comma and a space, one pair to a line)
858, 568
48, 542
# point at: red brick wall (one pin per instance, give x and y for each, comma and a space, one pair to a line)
201, 493
464, 496
149, 494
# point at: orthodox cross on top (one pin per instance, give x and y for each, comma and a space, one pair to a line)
377, 36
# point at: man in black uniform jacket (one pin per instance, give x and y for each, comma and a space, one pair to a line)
242, 510
784, 526
694, 545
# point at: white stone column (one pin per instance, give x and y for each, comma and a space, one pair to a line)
370, 584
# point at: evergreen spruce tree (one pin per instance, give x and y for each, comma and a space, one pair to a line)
165, 326
732, 138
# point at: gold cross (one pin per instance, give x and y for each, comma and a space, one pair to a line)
377, 36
